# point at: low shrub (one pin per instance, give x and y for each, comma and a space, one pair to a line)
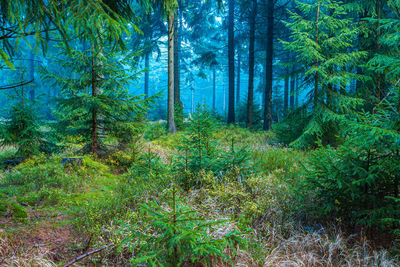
357, 183
174, 235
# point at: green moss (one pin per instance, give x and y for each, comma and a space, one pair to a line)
17, 210
3, 207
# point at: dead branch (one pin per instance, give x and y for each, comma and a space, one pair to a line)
87, 254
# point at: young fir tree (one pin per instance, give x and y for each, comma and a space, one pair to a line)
322, 36
94, 98
199, 150
22, 130
175, 235
386, 61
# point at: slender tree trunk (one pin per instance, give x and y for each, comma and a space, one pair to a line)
176, 61
296, 91
292, 83
21, 72
238, 82
286, 94
94, 110
269, 58
32, 70
231, 62
250, 92
214, 90
146, 75
171, 120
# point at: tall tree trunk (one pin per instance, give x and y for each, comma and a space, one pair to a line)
214, 90
148, 35
268, 75
146, 75
238, 82
32, 74
286, 94
176, 61
292, 83
231, 62
171, 120
250, 92
296, 91
94, 110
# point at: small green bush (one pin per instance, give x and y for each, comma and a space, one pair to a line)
175, 235
154, 131
358, 182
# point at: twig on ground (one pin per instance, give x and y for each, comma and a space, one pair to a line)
87, 254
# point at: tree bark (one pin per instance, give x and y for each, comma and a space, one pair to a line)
292, 83
176, 61
250, 92
268, 74
171, 120
94, 110
214, 89
286, 94
238, 82
231, 63
146, 75
296, 91
32, 70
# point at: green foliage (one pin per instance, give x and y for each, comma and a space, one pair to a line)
179, 116
23, 131
322, 36
95, 102
154, 131
45, 181
13, 209
175, 235
242, 115
386, 61
358, 182
291, 127
93, 216
201, 152
200, 145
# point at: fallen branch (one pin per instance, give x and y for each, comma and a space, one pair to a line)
87, 254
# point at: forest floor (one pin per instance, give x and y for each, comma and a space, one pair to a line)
51, 213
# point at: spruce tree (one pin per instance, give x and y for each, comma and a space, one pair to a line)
322, 36
94, 98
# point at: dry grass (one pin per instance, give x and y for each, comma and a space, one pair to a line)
13, 254
314, 249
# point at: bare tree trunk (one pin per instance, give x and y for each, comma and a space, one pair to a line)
286, 94
231, 62
94, 110
171, 120
250, 92
268, 80
146, 75
238, 82
296, 91
214, 89
32, 70
176, 61
292, 83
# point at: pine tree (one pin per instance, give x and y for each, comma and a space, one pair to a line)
177, 236
322, 36
386, 62
94, 94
